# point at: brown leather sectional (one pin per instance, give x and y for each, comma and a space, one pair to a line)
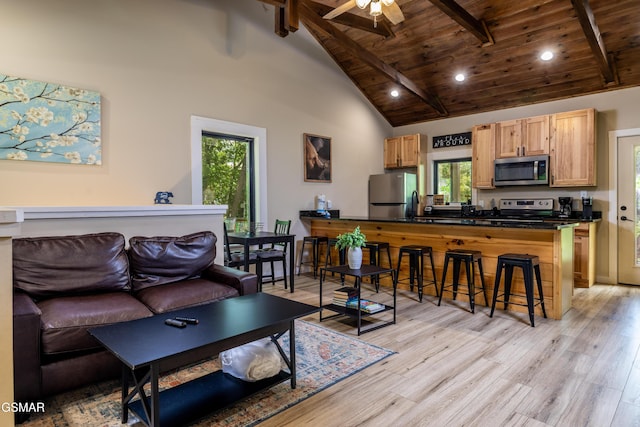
68, 284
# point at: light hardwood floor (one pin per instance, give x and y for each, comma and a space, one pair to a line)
454, 368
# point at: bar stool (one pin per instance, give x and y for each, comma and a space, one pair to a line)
470, 259
529, 265
416, 255
328, 258
374, 257
315, 242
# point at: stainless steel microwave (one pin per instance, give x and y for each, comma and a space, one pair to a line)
526, 170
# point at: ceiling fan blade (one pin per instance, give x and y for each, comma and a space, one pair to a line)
340, 9
393, 13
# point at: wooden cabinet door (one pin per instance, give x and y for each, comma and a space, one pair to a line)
584, 255
483, 155
410, 151
573, 149
535, 136
508, 139
392, 152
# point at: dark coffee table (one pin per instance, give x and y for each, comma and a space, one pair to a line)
147, 346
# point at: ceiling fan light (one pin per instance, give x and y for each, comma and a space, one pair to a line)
376, 8
387, 2
362, 3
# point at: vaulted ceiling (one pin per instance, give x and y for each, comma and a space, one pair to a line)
495, 43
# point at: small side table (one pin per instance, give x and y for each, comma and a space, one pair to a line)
364, 271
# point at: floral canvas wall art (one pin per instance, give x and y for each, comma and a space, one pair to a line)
48, 122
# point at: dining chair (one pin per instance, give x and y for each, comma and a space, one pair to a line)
235, 258
276, 252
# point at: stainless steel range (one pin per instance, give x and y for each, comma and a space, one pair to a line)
526, 208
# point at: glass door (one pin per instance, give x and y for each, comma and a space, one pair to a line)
629, 210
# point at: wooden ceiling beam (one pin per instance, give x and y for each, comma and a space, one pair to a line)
286, 16
276, 3
456, 12
309, 17
354, 21
594, 38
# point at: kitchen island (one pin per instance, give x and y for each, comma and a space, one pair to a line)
552, 242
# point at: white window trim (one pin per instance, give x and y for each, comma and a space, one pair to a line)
432, 157
199, 125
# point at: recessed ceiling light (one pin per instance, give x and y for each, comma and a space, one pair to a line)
395, 93
547, 55
460, 77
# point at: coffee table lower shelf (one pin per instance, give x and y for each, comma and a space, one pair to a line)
198, 398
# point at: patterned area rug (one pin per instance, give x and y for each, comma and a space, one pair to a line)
324, 357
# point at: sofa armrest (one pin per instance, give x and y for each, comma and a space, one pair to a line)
26, 348
246, 283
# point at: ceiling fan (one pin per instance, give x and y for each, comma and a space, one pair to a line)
389, 8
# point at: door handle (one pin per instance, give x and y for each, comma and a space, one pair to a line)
624, 218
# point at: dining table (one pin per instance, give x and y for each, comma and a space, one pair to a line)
260, 238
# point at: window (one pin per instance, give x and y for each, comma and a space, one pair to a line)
228, 174
452, 177
244, 137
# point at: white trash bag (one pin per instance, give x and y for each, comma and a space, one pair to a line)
253, 361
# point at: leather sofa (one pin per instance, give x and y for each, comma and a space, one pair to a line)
68, 284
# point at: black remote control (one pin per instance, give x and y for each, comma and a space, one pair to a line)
189, 320
176, 323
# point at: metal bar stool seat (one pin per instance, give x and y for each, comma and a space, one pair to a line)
470, 258
416, 255
328, 258
315, 242
530, 264
374, 257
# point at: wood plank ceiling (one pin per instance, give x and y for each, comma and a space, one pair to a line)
495, 43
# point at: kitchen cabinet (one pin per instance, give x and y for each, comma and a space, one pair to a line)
402, 151
573, 149
483, 155
408, 152
522, 137
584, 256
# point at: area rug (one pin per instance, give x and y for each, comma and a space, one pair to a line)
324, 357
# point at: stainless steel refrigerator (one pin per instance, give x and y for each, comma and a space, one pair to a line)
390, 195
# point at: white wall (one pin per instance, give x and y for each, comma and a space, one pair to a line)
157, 63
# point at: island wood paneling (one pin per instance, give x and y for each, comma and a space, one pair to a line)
553, 246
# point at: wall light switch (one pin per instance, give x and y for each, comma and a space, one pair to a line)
583, 194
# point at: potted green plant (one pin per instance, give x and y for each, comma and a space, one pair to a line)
353, 242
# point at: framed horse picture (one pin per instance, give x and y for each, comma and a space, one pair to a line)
317, 158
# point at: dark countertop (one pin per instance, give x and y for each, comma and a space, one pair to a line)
539, 224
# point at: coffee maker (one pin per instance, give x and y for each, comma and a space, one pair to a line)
587, 208
565, 206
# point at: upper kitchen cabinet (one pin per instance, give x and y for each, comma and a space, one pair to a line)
402, 151
573, 149
522, 137
483, 154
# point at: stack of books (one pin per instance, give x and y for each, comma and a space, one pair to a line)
348, 297
343, 295
366, 305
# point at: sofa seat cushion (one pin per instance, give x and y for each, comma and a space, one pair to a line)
165, 259
65, 320
186, 293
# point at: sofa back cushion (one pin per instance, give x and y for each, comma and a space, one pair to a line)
63, 265
160, 260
